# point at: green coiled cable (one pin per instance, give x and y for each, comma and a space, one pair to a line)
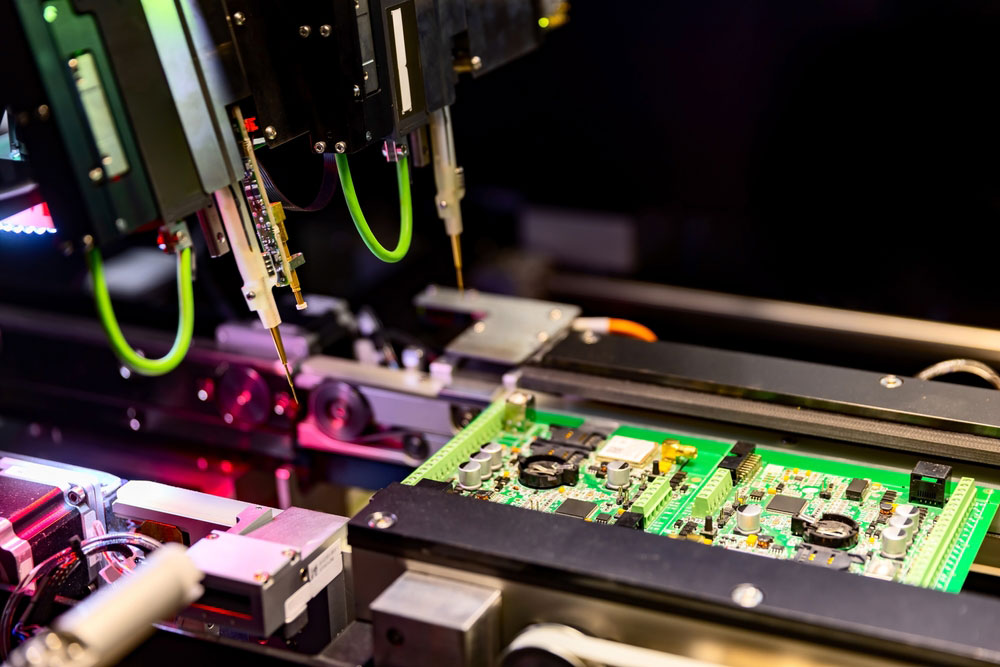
405, 210
185, 321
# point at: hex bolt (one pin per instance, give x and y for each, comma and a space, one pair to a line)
270, 133
891, 381
340, 147
239, 18
325, 30
319, 147
304, 31
747, 595
96, 174
76, 495
381, 520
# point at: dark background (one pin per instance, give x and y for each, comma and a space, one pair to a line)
840, 153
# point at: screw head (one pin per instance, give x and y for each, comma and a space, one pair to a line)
555, 314
261, 577
589, 337
96, 174
325, 30
212, 536
251, 296
290, 553
319, 147
747, 595
270, 133
239, 18
121, 224
479, 327
381, 520
43, 112
357, 90
368, 136
304, 31
542, 336
476, 62
891, 381
442, 204
76, 495
340, 147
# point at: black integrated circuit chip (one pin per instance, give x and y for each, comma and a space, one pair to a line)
603, 517
580, 509
856, 489
786, 504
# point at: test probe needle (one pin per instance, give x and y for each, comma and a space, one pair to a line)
280, 347
456, 252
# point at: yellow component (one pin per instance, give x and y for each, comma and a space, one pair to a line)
695, 480
751, 540
280, 347
621, 511
708, 540
741, 500
829, 561
772, 491
515, 450
812, 556
562, 489
894, 506
506, 473
456, 253
671, 449
876, 485
808, 472
785, 478
278, 215
795, 470
871, 540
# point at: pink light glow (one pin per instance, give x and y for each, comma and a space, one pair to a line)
34, 220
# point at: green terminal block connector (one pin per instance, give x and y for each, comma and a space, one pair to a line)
939, 544
653, 499
712, 494
446, 460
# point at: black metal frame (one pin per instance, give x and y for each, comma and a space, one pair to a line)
800, 601
792, 396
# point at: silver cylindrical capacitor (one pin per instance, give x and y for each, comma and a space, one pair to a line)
495, 450
618, 474
894, 542
748, 519
906, 523
907, 510
485, 461
470, 475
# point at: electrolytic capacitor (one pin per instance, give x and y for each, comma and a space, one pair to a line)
470, 475
748, 519
906, 523
495, 451
907, 510
618, 474
894, 542
486, 461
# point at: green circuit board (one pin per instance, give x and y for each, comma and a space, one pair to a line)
703, 496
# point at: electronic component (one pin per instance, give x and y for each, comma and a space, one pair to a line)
676, 480
712, 494
688, 528
909, 510
495, 450
652, 501
786, 504
630, 520
736, 461
835, 531
757, 494
894, 542
547, 472
618, 475
631, 450
580, 509
574, 437
671, 450
936, 547
603, 517
889, 497
885, 508
519, 410
928, 483
748, 519
470, 475
823, 557
485, 462
907, 524
857, 489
